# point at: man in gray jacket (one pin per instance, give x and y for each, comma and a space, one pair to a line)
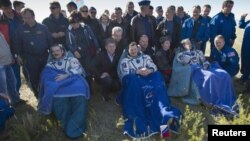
7, 77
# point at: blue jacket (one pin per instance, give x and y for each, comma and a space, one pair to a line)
228, 59
223, 25
243, 23
35, 40
245, 50
203, 29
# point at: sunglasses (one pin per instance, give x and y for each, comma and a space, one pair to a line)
93, 12
53, 7
84, 11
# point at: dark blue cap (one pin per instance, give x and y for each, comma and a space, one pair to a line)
92, 8
158, 8
144, 3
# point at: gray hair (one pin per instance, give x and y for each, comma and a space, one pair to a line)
116, 29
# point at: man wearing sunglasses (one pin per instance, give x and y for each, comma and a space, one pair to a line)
92, 12
56, 23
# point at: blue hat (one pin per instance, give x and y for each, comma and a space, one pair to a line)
144, 3
92, 8
158, 8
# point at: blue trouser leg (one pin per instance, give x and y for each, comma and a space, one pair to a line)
61, 109
8, 83
76, 125
72, 113
16, 70
3, 82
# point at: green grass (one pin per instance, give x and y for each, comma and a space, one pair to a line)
105, 122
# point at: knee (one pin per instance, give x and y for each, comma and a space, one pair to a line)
107, 81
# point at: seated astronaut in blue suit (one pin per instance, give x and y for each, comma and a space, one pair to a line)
144, 98
225, 55
64, 92
197, 81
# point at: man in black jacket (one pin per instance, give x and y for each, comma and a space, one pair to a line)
104, 68
57, 24
171, 28
142, 24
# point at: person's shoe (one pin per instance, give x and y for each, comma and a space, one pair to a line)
174, 127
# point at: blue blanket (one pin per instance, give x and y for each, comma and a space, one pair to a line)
146, 106
73, 85
215, 87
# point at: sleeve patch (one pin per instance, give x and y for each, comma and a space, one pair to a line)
231, 54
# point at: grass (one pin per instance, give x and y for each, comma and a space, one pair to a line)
105, 121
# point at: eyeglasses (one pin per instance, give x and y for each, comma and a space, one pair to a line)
93, 12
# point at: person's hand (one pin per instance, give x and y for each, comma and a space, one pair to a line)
144, 71
105, 74
61, 34
77, 54
19, 60
243, 16
61, 77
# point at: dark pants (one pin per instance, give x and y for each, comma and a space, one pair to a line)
203, 47
108, 85
34, 66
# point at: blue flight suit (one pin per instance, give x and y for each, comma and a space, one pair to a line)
201, 33
33, 44
223, 25
243, 23
245, 50
228, 59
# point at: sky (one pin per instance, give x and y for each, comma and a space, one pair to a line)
41, 7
